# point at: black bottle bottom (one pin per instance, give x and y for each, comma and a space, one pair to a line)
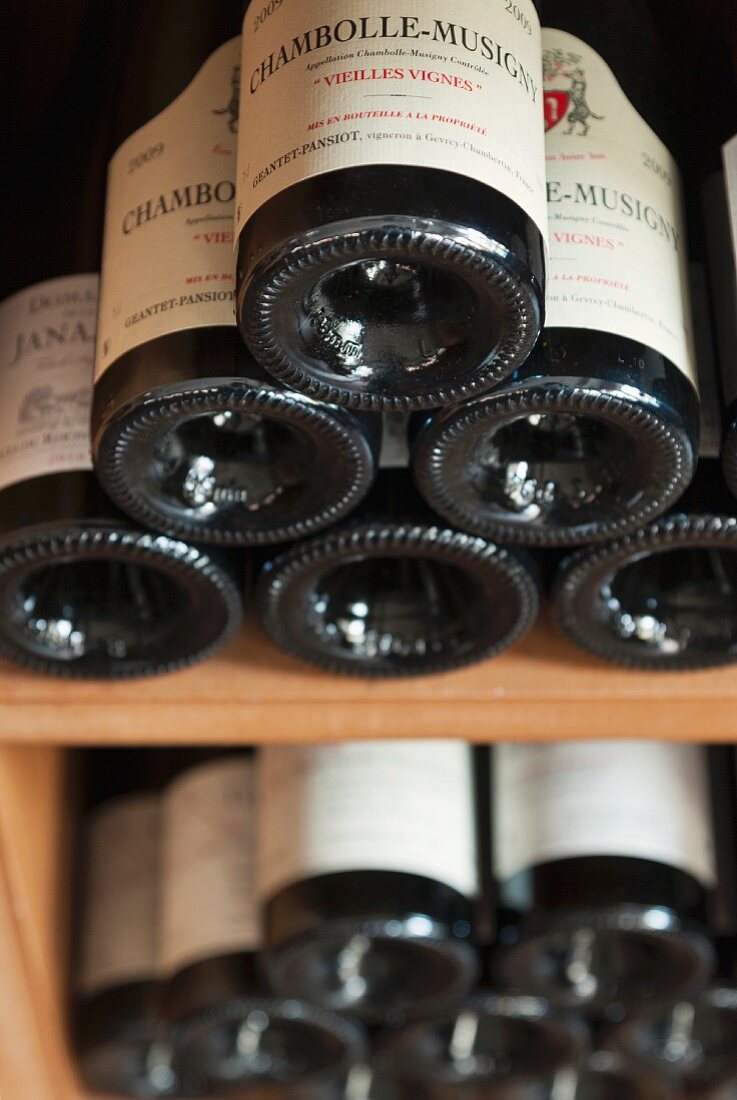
393, 599
101, 600
556, 458
605, 961
693, 1042
415, 288
379, 946
224, 454
491, 1037
664, 598
124, 1046
230, 1032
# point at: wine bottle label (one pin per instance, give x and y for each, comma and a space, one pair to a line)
369, 806
394, 454
729, 159
209, 904
352, 85
644, 799
47, 344
122, 894
710, 442
167, 261
618, 260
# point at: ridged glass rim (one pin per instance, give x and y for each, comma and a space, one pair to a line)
160, 411
578, 397
259, 300
382, 539
44, 545
461, 953
669, 932
588, 569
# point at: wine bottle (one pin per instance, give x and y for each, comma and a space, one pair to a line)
230, 1033
597, 432
722, 250
391, 593
368, 875
190, 435
603, 859
491, 1040
664, 597
82, 591
364, 1081
123, 1044
390, 255
607, 1076
693, 1043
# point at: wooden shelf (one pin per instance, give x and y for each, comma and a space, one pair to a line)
545, 688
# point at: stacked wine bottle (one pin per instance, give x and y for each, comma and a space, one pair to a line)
390, 919
397, 343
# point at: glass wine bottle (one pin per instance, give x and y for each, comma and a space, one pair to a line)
123, 1044
83, 592
391, 254
597, 432
604, 862
230, 1032
392, 593
190, 435
368, 875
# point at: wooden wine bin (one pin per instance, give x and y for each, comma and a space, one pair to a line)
543, 690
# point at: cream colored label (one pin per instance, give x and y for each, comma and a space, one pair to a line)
168, 251
645, 799
729, 157
453, 87
47, 343
710, 441
209, 904
375, 805
618, 259
122, 894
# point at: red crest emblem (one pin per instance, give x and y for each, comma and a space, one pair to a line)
556, 105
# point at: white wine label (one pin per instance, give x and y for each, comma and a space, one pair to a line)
643, 799
209, 903
729, 158
368, 806
47, 349
618, 259
119, 941
352, 85
394, 454
715, 216
710, 443
167, 262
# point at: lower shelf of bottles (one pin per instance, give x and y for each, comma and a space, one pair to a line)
543, 689
37, 796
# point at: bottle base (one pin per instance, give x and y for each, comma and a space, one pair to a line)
232, 462
606, 962
661, 599
396, 599
553, 463
379, 972
392, 313
251, 1040
99, 601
